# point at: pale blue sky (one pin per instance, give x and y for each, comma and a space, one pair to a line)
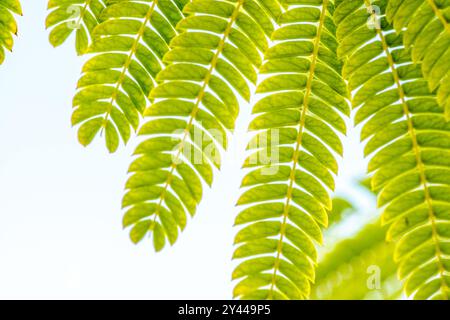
60, 216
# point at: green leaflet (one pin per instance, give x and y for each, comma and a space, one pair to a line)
74, 16
127, 48
8, 25
298, 122
428, 33
408, 141
195, 105
339, 207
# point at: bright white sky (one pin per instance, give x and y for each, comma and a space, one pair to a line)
60, 216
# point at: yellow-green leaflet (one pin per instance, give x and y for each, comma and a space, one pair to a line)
210, 62
428, 36
127, 48
408, 141
298, 122
8, 25
74, 16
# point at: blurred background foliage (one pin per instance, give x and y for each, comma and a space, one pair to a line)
355, 261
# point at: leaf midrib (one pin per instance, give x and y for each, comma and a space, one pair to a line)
83, 11
417, 153
439, 15
199, 98
129, 59
298, 144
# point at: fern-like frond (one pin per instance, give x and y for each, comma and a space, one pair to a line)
69, 16
427, 24
8, 25
115, 85
409, 143
291, 169
196, 104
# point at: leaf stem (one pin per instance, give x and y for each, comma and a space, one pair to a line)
301, 127
417, 153
199, 99
439, 15
127, 64
83, 11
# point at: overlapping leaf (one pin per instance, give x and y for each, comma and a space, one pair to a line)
69, 16
128, 46
427, 24
210, 62
8, 25
408, 140
299, 118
